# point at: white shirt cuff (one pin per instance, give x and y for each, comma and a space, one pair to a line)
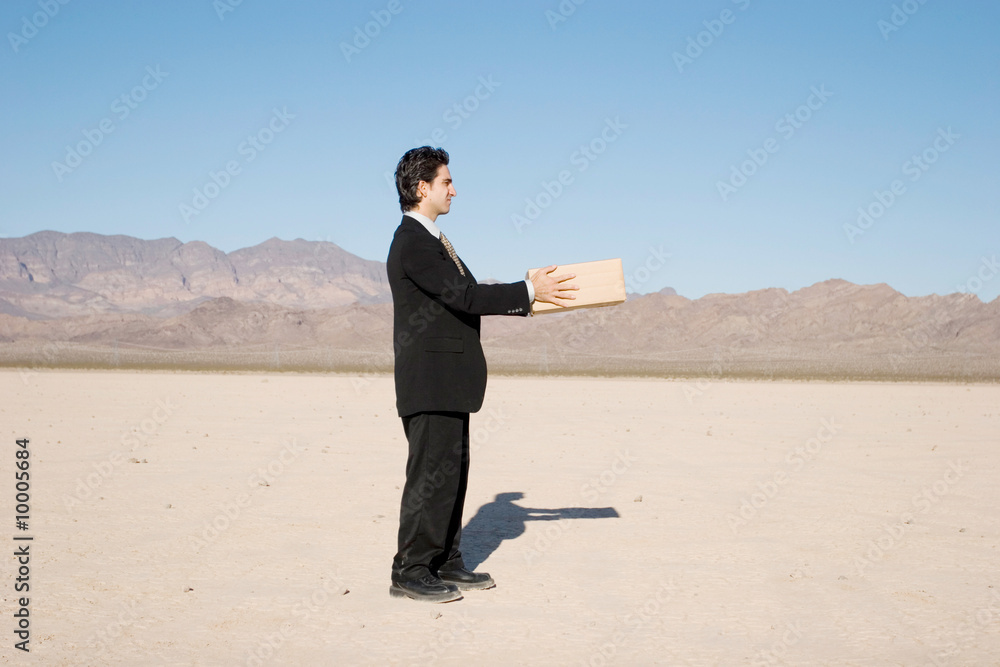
531, 290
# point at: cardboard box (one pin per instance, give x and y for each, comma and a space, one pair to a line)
601, 283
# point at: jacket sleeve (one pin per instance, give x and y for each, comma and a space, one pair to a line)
428, 265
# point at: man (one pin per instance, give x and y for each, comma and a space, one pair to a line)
440, 375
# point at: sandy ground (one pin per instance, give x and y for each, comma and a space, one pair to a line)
249, 519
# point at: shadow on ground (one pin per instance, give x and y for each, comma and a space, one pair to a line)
503, 519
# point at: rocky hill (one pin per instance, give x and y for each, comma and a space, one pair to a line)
52, 275
91, 300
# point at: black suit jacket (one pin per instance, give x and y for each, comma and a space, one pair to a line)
436, 314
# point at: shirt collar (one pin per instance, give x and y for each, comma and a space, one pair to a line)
428, 224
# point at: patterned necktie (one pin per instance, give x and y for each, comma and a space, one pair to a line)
451, 251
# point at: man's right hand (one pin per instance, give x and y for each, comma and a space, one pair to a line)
552, 289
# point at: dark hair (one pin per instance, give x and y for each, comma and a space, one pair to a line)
417, 164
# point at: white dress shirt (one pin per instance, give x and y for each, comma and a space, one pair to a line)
435, 231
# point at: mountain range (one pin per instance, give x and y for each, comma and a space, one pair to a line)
52, 275
85, 299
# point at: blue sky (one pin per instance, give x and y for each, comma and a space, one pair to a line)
719, 146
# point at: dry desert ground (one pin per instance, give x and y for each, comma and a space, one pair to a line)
184, 518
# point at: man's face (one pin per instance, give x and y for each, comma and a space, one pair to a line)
437, 194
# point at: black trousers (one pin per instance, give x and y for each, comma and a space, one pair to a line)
430, 513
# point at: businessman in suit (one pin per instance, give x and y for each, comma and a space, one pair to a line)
440, 375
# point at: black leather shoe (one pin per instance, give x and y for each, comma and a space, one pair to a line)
426, 589
465, 580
